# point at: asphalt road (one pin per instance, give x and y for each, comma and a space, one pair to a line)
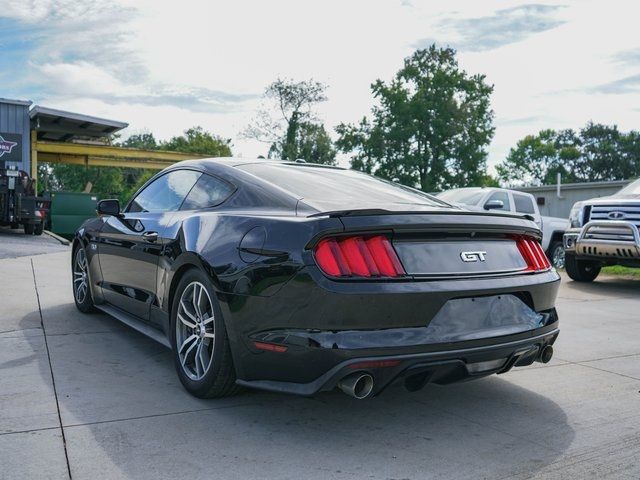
83, 396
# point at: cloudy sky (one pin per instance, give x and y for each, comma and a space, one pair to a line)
164, 66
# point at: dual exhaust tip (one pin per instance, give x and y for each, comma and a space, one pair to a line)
357, 385
360, 385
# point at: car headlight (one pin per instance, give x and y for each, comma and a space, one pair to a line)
576, 215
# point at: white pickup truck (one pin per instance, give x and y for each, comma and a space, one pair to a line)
512, 201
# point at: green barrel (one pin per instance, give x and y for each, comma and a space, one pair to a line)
70, 209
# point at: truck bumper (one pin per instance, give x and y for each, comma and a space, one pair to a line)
605, 240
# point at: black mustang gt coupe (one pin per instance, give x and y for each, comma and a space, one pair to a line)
300, 278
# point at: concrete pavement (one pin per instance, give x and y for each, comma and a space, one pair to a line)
83, 396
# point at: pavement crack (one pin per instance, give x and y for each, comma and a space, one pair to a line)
166, 414
53, 380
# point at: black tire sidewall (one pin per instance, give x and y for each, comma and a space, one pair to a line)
576, 269
199, 388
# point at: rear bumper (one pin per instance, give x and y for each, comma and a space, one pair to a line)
442, 364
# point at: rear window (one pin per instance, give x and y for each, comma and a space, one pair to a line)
523, 203
319, 185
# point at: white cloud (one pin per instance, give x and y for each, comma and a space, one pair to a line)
164, 67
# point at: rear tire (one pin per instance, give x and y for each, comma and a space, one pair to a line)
201, 350
581, 270
28, 228
38, 229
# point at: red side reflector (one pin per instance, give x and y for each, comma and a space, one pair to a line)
358, 256
375, 364
270, 347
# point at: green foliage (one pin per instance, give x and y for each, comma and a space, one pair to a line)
294, 132
197, 140
597, 152
311, 143
430, 128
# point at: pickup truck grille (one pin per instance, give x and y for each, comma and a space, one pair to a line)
624, 212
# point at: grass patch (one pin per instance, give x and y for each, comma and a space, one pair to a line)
622, 271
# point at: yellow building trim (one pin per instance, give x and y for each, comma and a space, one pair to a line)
102, 155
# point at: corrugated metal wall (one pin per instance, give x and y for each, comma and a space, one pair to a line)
14, 118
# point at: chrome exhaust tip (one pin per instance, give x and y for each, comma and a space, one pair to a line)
357, 385
546, 354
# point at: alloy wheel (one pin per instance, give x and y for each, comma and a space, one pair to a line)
557, 258
195, 331
80, 276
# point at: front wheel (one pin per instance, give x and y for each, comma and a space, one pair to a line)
201, 350
581, 270
81, 290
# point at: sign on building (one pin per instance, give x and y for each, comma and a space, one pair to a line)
10, 147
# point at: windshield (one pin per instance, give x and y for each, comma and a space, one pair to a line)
632, 189
466, 197
334, 187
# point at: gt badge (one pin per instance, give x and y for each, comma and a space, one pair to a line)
473, 256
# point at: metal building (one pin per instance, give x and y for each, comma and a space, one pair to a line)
14, 133
40, 134
557, 200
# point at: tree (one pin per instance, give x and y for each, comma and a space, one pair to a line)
294, 131
197, 140
597, 152
430, 128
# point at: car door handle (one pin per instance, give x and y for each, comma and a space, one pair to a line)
150, 236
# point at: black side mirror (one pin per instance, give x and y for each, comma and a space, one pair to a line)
109, 207
494, 205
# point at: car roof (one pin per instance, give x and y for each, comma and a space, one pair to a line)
211, 163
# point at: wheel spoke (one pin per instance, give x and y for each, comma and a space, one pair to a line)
198, 360
210, 335
185, 310
186, 322
207, 320
78, 280
186, 341
203, 354
186, 354
197, 295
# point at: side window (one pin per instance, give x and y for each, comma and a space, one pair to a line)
165, 193
207, 192
503, 197
523, 203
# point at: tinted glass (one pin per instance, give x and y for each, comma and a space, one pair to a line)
503, 197
466, 197
207, 192
524, 203
324, 186
165, 193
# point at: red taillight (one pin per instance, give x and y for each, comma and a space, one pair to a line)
533, 254
358, 257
